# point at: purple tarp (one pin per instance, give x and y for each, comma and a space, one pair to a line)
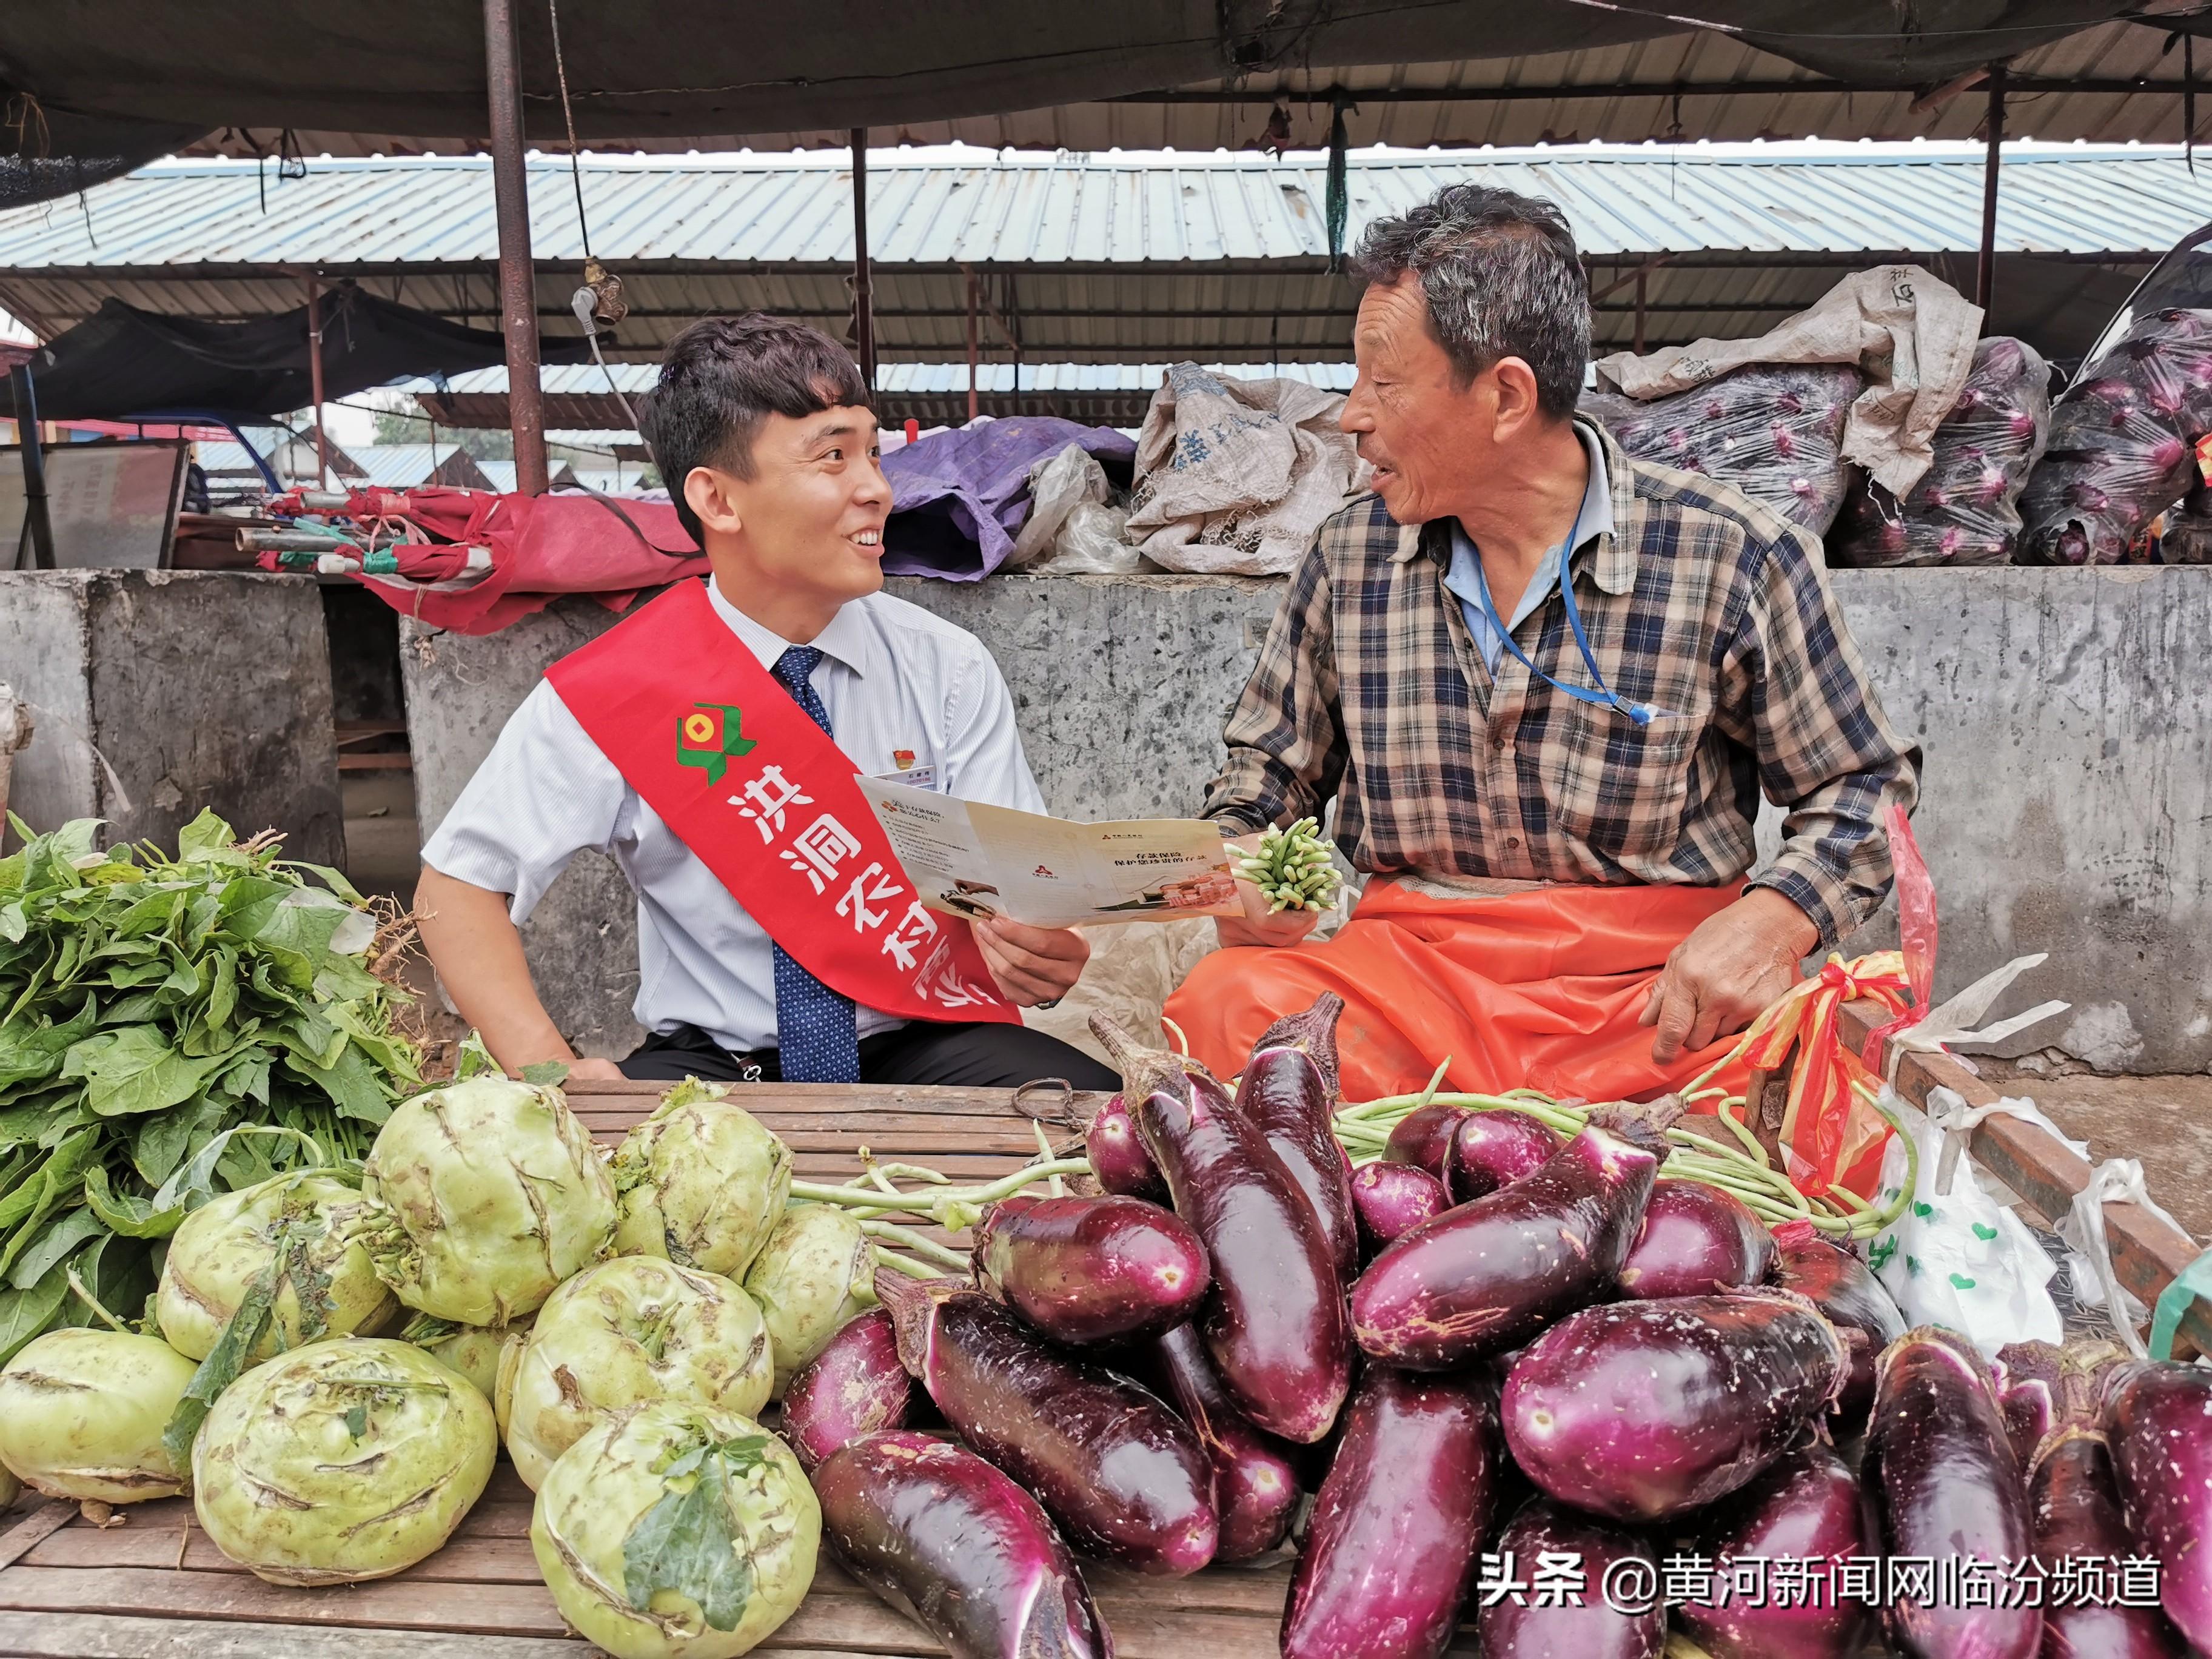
958, 497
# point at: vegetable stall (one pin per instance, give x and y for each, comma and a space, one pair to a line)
1237, 1367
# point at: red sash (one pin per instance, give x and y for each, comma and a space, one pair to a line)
767, 802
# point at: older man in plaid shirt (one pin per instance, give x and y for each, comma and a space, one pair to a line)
1544, 685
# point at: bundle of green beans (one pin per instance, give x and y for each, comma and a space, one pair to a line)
1744, 1171
874, 1195
1294, 868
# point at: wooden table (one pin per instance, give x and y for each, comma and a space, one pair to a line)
155, 1588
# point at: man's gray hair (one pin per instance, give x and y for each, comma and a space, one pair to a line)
1502, 278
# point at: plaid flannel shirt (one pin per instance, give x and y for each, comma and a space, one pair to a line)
1369, 690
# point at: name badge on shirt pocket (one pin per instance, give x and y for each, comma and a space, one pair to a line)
914, 777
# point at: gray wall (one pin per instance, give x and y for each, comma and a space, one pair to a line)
200, 688
2065, 713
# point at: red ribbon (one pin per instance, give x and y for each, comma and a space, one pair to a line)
1828, 1134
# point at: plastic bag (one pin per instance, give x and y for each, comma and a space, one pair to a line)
1966, 510
1773, 431
1235, 476
2089, 1258
1089, 543
1058, 485
1958, 1258
2122, 443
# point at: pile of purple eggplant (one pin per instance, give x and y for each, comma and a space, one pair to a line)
1507, 1356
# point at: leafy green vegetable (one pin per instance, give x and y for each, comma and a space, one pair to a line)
171, 1028
222, 1366
691, 1541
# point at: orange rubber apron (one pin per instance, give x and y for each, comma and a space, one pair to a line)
1539, 986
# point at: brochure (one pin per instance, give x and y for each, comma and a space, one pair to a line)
968, 860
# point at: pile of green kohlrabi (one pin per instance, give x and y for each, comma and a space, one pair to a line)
170, 1028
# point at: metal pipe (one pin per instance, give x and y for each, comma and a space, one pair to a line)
864, 299
971, 343
1985, 268
517, 281
315, 379
35, 521
1640, 312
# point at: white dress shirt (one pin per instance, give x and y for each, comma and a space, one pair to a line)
905, 690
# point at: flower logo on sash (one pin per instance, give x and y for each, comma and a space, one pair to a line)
709, 738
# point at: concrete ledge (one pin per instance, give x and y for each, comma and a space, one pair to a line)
199, 688
2066, 717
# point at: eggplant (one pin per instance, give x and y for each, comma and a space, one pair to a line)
1643, 1410
1697, 1241
854, 1386
2158, 1420
1493, 1149
1577, 1624
1119, 1471
1255, 1487
1396, 1533
1118, 1157
1087, 1270
1423, 1137
959, 1548
1807, 1508
1940, 1473
2073, 1505
1289, 1089
2029, 1379
1391, 1200
1844, 1289
1275, 1323
1487, 1276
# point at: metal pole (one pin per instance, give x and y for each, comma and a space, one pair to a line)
971, 344
864, 299
35, 469
1639, 313
315, 378
526, 406
1985, 268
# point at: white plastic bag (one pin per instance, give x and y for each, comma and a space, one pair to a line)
1958, 1258
1058, 485
1089, 543
2089, 1258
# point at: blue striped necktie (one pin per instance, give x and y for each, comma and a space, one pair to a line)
816, 1031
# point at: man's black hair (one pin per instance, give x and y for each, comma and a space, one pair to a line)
721, 377
1502, 280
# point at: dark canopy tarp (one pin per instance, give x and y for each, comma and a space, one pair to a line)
686, 68
122, 361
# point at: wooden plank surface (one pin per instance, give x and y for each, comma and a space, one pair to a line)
156, 1587
2147, 1252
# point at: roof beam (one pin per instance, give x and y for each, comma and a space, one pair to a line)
2087, 85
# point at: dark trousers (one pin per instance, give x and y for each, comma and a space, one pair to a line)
985, 1056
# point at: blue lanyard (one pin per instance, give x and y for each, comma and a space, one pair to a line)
1603, 697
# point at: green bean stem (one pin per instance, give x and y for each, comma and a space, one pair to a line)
906, 1239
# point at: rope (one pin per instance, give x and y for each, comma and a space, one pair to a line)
568, 115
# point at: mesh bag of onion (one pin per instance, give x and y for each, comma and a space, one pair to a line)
1774, 431
2122, 441
1965, 509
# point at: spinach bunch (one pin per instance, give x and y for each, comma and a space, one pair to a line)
171, 1028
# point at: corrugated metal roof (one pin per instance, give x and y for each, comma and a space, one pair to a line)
1112, 394
404, 466
947, 207
566, 381
1624, 93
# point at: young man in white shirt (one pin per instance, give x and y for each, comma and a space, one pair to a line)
777, 936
